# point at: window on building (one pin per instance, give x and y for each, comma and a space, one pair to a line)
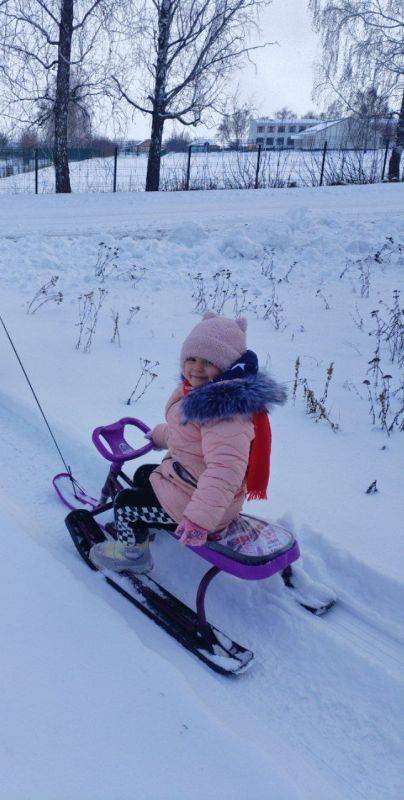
292, 128
289, 141
280, 141
261, 128
260, 139
271, 128
302, 128
270, 139
281, 129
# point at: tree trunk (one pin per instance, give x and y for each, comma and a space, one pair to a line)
159, 98
154, 159
395, 158
61, 107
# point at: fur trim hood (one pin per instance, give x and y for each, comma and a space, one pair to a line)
227, 399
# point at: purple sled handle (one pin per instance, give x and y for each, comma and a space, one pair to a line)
114, 436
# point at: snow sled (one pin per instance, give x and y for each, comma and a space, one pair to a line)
249, 548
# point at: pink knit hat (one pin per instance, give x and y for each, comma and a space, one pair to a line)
217, 339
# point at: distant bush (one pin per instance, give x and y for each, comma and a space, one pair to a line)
177, 143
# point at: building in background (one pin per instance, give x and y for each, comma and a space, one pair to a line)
349, 133
205, 145
201, 145
278, 133
133, 146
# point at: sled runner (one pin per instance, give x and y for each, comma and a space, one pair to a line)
249, 548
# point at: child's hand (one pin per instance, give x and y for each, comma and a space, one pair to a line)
191, 534
158, 436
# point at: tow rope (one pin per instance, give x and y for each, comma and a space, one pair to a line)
66, 466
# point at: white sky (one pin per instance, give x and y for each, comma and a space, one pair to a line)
283, 73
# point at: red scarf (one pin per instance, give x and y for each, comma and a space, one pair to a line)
259, 460
257, 476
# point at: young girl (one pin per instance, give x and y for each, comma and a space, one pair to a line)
218, 439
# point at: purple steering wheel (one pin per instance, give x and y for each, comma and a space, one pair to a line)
119, 450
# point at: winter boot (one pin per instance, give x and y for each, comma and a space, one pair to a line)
131, 550
119, 557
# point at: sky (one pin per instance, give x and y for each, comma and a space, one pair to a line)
283, 72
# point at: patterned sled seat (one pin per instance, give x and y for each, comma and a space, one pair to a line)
251, 548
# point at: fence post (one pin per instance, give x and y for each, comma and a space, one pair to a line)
36, 169
188, 168
386, 152
323, 162
257, 169
115, 166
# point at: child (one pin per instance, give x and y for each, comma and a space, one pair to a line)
218, 439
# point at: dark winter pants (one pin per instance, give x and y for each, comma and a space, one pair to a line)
137, 510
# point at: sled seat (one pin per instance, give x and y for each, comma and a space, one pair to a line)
251, 548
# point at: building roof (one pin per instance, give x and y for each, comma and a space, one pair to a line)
299, 121
322, 126
131, 142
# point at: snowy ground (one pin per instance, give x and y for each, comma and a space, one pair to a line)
99, 703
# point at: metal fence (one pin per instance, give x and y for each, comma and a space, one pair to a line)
247, 167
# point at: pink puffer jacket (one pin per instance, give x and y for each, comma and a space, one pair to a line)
203, 474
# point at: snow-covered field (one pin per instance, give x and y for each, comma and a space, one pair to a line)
96, 701
216, 170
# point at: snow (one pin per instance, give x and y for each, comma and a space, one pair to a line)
320, 126
84, 685
213, 170
97, 702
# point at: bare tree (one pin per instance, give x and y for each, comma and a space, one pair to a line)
334, 110
42, 42
79, 112
395, 158
234, 127
362, 43
368, 103
310, 115
188, 49
285, 113
28, 139
371, 117
177, 142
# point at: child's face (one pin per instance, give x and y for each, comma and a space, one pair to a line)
198, 371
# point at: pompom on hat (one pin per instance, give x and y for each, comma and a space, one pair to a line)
217, 339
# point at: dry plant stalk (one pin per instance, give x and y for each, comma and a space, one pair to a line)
116, 338
199, 293
90, 305
287, 274
145, 379
222, 292
297, 379
324, 299
45, 295
315, 407
274, 311
267, 263
372, 489
132, 311
106, 261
